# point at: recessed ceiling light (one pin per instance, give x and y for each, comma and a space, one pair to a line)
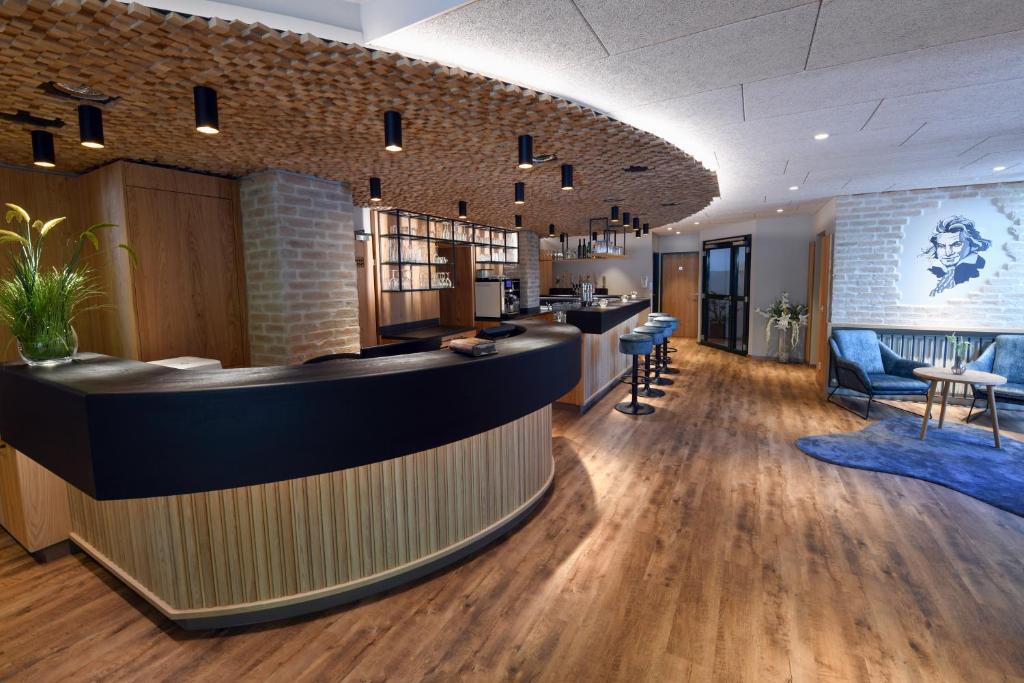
998, 168
696, 222
794, 187
779, 210
821, 136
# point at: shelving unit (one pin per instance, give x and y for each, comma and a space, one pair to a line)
410, 246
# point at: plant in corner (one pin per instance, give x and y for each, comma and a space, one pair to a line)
39, 304
784, 317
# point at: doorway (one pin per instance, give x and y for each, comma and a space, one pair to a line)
680, 290
725, 294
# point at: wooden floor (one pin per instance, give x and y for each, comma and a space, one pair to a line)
693, 544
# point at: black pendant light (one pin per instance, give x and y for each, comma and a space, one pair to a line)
42, 149
520, 193
593, 237
207, 120
636, 233
525, 151
519, 221
375, 189
392, 131
551, 230
90, 126
463, 209
567, 176
615, 214
647, 228
625, 219
636, 222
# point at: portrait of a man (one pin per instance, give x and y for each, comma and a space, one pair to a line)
955, 248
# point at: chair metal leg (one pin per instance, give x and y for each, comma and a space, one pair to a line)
980, 413
864, 416
867, 413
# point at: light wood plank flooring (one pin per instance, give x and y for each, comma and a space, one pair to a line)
694, 544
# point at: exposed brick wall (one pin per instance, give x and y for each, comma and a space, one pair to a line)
300, 267
868, 248
528, 269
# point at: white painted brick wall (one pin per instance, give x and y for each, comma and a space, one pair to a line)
300, 267
868, 237
528, 269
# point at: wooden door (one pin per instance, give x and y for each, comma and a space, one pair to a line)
189, 283
680, 287
458, 304
547, 273
823, 312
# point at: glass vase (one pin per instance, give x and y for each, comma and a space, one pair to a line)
959, 365
48, 350
783, 353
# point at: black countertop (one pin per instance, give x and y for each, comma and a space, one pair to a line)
597, 320
433, 331
117, 428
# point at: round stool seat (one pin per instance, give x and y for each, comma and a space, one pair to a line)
655, 314
636, 344
666, 318
657, 334
651, 322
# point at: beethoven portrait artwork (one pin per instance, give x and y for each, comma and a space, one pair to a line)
954, 250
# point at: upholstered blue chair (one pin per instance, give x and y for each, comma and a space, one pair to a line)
862, 363
1004, 356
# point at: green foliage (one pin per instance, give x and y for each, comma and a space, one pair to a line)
961, 346
40, 305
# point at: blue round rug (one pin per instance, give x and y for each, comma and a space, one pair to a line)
957, 456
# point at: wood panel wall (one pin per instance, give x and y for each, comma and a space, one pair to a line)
601, 363
33, 501
261, 546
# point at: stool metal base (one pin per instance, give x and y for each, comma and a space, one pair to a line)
670, 371
637, 409
650, 392
662, 381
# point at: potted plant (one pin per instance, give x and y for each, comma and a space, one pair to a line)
961, 349
39, 304
787, 318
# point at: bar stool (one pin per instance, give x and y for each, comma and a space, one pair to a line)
666, 349
660, 363
635, 345
656, 334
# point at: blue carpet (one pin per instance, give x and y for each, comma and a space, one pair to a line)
957, 456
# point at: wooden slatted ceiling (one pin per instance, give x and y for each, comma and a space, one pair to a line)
312, 106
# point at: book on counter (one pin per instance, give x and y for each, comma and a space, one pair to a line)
473, 346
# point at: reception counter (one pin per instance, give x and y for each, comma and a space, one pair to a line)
227, 497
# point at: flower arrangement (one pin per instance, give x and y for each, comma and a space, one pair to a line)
39, 305
783, 316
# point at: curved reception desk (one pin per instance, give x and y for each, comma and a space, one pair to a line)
227, 497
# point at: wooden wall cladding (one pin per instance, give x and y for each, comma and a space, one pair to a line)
258, 547
316, 107
601, 362
33, 501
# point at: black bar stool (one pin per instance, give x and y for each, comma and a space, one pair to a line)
660, 362
655, 333
635, 345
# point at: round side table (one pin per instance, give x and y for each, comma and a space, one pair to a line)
946, 377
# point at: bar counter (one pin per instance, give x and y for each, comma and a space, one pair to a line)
227, 497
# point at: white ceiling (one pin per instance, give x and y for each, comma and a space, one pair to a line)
914, 93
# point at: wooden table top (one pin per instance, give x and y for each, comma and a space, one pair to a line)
986, 379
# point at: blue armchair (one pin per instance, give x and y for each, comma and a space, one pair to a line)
1004, 356
862, 363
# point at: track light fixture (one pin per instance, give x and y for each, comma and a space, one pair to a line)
520, 193
519, 221
615, 215
207, 119
525, 151
42, 149
374, 189
392, 131
463, 209
551, 230
90, 126
566, 177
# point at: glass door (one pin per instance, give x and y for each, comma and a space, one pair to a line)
725, 294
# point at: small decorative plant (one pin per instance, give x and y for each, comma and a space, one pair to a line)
961, 348
39, 305
784, 316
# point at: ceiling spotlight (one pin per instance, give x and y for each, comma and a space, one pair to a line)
90, 126
207, 120
997, 169
519, 221
374, 189
647, 228
520, 193
696, 222
794, 187
779, 210
566, 176
463, 209
821, 136
551, 230
392, 131
615, 214
42, 149
525, 151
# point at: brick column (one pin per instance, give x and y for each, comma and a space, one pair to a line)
300, 267
528, 269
